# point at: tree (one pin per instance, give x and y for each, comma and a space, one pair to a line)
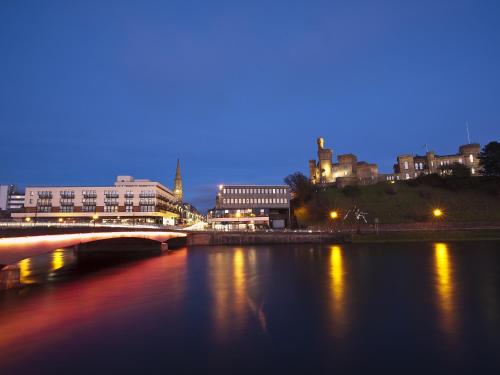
460, 170
455, 170
489, 159
300, 186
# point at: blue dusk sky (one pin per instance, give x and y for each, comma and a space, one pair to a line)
238, 90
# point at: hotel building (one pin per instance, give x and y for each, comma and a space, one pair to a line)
129, 201
242, 207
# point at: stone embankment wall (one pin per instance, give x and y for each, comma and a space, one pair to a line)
404, 227
255, 238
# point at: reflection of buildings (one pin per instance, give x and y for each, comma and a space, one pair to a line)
129, 200
251, 207
444, 286
410, 166
347, 171
233, 301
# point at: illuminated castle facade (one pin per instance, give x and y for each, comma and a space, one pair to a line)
347, 171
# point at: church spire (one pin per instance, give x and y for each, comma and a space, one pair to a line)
178, 182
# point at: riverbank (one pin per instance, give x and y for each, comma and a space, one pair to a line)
426, 236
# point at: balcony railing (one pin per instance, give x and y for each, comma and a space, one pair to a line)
45, 194
67, 194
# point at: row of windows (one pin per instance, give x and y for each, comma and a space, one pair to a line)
253, 191
255, 200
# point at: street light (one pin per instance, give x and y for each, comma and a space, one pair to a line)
437, 212
95, 217
28, 219
60, 220
334, 215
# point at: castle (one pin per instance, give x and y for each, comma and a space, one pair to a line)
347, 171
412, 166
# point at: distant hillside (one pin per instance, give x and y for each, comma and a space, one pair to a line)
461, 199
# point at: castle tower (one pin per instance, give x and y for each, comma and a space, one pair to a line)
178, 182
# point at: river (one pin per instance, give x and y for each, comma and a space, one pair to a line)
392, 308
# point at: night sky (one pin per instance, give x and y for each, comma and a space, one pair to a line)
238, 90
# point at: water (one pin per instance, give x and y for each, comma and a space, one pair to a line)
401, 308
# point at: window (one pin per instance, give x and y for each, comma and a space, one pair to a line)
471, 158
406, 165
274, 191
129, 209
472, 170
407, 176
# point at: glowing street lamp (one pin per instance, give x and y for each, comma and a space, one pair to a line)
60, 220
437, 212
28, 219
95, 217
334, 215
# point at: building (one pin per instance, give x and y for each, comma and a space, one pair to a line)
412, 166
347, 171
128, 200
178, 183
253, 207
11, 198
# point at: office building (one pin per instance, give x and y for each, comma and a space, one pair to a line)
251, 207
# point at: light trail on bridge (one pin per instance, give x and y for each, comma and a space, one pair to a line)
17, 248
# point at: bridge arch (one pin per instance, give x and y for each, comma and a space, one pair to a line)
15, 249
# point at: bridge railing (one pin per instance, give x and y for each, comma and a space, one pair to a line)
25, 225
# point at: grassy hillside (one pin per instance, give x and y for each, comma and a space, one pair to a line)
472, 199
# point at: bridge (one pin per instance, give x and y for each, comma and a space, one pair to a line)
27, 242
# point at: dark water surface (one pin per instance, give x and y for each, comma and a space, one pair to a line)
397, 308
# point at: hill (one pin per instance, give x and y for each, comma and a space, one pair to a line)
474, 199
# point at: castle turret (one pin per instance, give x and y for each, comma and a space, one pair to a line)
178, 182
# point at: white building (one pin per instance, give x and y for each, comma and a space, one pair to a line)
127, 201
11, 198
241, 207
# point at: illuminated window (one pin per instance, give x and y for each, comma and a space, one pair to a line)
472, 170
471, 158
406, 165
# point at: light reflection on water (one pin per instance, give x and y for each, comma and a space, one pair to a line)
232, 307
40, 268
445, 288
337, 288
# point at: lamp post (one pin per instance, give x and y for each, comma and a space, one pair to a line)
95, 217
437, 213
334, 215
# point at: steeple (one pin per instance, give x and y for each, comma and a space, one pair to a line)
178, 182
